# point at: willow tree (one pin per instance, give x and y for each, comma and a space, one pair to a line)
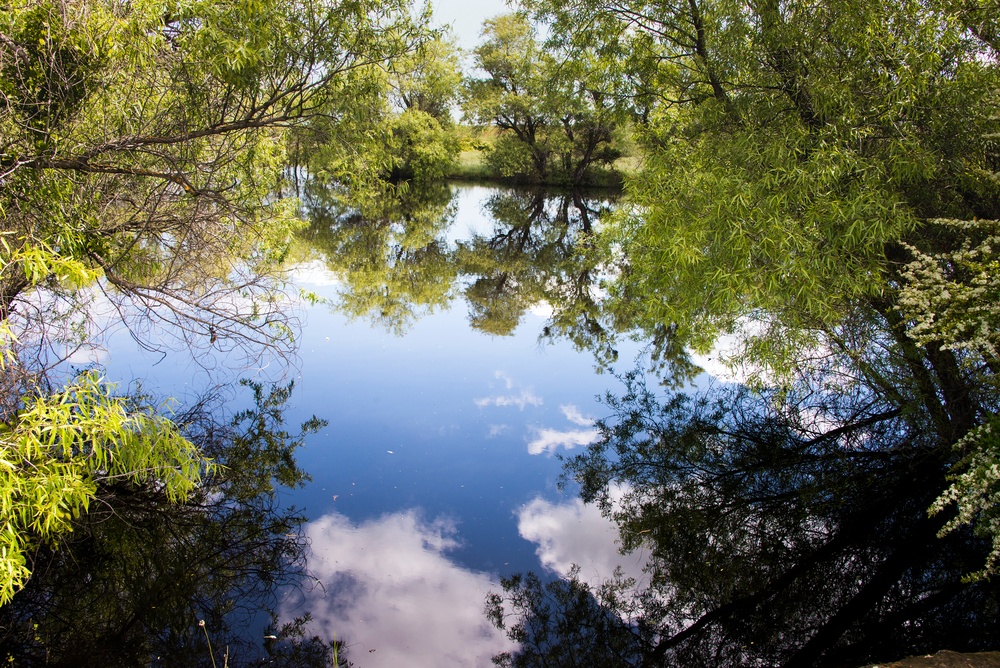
790, 148
141, 152
406, 132
129, 584
554, 118
143, 144
799, 157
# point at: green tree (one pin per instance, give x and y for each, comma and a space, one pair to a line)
788, 151
55, 450
422, 148
421, 140
429, 79
143, 146
536, 255
554, 123
405, 132
796, 160
390, 252
141, 156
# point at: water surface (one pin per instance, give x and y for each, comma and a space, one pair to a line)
437, 471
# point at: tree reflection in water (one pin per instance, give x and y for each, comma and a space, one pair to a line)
389, 251
130, 584
393, 257
784, 528
540, 252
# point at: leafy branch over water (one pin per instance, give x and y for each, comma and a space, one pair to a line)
142, 153
134, 576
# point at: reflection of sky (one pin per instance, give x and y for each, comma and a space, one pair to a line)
440, 423
470, 219
441, 419
389, 590
570, 532
546, 440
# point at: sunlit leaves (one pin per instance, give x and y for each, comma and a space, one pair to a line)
787, 146
128, 584
554, 118
952, 297
952, 300
726, 225
57, 448
154, 153
395, 128
975, 492
39, 263
420, 147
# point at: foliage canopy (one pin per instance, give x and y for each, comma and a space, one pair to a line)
142, 153
820, 182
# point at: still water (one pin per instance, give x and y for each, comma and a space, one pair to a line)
437, 470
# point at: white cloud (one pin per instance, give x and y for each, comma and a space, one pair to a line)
546, 440
508, 382
542, 309
313, 273
388, 586
549, 440
574, 415
576, 533
498, 430
526, 398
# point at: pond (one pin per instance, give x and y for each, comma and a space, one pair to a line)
437, 471
457, 352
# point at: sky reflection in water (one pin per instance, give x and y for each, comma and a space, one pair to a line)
436, 472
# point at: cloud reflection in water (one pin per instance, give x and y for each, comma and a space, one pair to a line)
393, 596
576, 533
547, 440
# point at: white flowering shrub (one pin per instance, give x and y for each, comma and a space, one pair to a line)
952, 299
975, 491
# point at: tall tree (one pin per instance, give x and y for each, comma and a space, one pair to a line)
789, 149
142, 144
407, 133
554, 122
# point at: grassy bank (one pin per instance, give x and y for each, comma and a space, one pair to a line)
472, 166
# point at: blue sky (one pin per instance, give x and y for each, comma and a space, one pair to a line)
466, 17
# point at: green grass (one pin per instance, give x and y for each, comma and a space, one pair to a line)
470, 166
